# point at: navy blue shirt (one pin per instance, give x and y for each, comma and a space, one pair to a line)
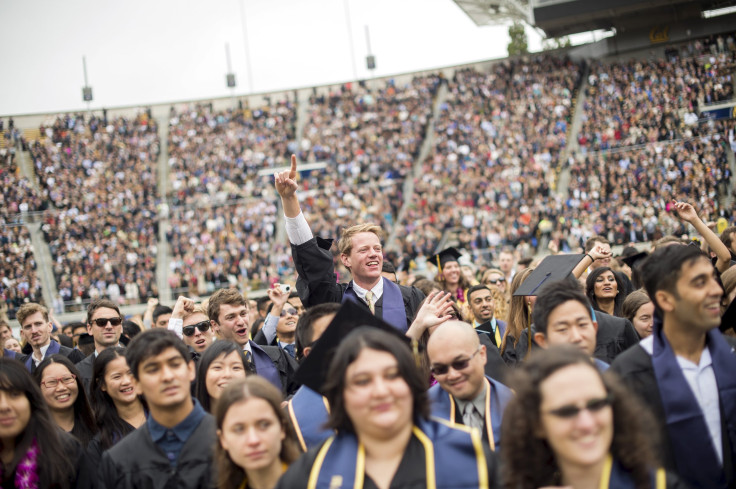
172, 440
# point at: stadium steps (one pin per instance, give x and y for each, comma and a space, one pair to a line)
162, 250
33, 134
572, 147
25, 165
426, 149
302, 114
44, 263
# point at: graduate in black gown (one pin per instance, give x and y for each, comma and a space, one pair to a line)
361, 252
384, 436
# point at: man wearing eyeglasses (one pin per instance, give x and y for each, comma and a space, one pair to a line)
105, 325
36, 328
190, 322
464, 394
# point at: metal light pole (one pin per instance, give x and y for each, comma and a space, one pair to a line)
230, 76
350, 39
86, 90
248, 68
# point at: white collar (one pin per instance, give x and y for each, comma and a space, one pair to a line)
377, 290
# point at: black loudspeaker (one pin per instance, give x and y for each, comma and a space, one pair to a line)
370, 62
230, 80
87, 94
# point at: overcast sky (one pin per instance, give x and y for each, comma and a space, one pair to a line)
143, 52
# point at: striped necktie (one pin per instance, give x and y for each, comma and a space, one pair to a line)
369, 300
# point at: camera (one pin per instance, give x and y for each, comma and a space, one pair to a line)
284, 288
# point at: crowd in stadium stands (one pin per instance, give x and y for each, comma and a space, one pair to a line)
497, 141
19, 281
368, 137
643, 101
223, 210
627, 194
212, 247
100, 176
18, 195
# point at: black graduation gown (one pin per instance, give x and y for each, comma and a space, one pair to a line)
411, 473
317, 283
615, 335
636, 370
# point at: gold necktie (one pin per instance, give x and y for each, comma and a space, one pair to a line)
369, 300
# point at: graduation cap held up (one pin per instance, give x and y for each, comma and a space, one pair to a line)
633, 259
313, 369
552, 269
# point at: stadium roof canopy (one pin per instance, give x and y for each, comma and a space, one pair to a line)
563, 17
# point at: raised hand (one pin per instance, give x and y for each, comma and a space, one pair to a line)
686, 212
435, 311
285, 181
183, 305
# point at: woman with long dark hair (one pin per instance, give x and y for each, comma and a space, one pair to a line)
606, 291
257, 442
569, 425
221, 363
384, 436
118, 409
61, 385
34, 452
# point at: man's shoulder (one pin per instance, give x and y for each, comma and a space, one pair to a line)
632, 361
85, 365
132, 446
613, 323
74, 355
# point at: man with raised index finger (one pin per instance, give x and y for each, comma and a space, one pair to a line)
360, 251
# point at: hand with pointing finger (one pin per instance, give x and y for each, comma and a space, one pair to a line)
285, 181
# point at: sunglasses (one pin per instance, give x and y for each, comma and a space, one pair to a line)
593, 406
102, 322
288, 312
495, 281
462, 364
202, 326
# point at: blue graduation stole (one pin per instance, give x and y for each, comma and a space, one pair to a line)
616, 477
694, 453
309, 411
454, 458
52, 350
394, 312
264, 365
442, 404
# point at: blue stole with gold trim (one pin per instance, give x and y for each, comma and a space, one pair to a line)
394, 312
692, 446
308, 412
53, 349
619, 478
454, 458
498, 396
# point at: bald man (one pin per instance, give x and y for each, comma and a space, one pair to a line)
464, 394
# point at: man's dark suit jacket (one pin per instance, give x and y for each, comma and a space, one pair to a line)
615, 335
635, 368
317, 283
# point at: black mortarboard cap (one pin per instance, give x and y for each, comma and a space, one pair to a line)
85, 339
552, 269
633, 259
728, 320
313, 369
445, 256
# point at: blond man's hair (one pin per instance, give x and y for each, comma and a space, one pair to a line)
345, 243
198, 309
30, 308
